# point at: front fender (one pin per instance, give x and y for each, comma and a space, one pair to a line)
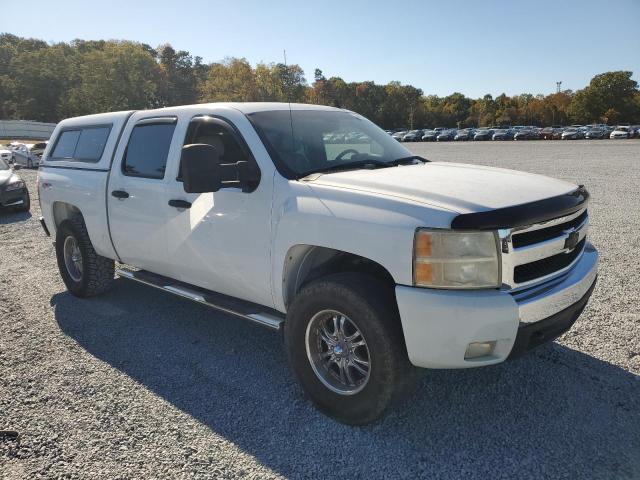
376, 227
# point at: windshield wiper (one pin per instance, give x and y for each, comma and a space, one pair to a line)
371, 162
350, 166
407, 160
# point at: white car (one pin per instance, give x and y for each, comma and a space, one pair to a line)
620, 132
6, 155
371, 260
25, 157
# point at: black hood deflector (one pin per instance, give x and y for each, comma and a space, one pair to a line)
525, 214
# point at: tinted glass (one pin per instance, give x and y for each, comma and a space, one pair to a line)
66, 145
215, 133
302, 141
147, 151
91, 143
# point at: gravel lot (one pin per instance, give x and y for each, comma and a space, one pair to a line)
138, 384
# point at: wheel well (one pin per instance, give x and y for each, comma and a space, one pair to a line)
63, 211
305, 263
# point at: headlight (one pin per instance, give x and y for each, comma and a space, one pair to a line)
15, 186
448, 259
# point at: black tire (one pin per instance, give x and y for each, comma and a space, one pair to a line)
371, 305
97, 272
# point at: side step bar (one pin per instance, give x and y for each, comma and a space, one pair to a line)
250, 311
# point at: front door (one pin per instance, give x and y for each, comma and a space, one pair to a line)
137, 190
222, 241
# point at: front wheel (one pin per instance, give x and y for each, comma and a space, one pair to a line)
345, 344
84, 272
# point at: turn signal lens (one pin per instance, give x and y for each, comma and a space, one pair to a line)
448, 259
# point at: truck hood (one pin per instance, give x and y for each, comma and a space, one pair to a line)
453, 186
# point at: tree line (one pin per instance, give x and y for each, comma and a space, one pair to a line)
49, 82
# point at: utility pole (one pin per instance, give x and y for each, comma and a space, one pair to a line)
558, 84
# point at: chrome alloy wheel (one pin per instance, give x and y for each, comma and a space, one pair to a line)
338, 352
73, 258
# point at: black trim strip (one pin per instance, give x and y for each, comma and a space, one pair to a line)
76, 168
532, 335
525, 214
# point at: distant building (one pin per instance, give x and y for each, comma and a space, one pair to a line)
25, 130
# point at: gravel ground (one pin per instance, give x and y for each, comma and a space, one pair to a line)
138, 384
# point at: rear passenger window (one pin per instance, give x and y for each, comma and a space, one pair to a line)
83, 145
148, 149
66, 144
91, 143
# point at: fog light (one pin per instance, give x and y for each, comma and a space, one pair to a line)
479, 349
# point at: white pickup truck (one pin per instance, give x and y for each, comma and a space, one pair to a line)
313, 221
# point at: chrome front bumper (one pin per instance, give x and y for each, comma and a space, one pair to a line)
542, 301
439, 325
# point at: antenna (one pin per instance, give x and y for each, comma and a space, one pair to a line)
288, 91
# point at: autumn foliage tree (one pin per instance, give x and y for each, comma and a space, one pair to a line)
48, 82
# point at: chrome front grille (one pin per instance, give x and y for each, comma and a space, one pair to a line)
540, 252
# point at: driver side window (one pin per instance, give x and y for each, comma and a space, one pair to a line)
217, 133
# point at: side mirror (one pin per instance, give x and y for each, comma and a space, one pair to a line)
202, 171
200, 168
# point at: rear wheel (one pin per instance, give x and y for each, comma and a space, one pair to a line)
345, 344
84, 272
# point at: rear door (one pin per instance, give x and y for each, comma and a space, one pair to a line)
137, 191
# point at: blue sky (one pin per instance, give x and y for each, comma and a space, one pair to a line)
474, 47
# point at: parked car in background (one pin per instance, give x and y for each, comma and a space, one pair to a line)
399, 135
24, 157
464, 135
551, 133
447, 135
13, 190
620, 132
503, 134
6, 155
572, 133
483, 134
595, 133
430, 135
527, 134
413, 136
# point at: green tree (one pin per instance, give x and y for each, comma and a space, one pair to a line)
178, 74
609, 95
121, 76
232, 80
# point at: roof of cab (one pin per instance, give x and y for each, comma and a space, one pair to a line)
246, 108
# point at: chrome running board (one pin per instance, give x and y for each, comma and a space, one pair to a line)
250, 311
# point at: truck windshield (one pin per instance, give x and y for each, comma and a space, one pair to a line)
302, 142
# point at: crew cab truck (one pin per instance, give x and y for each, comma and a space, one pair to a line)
371, 260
